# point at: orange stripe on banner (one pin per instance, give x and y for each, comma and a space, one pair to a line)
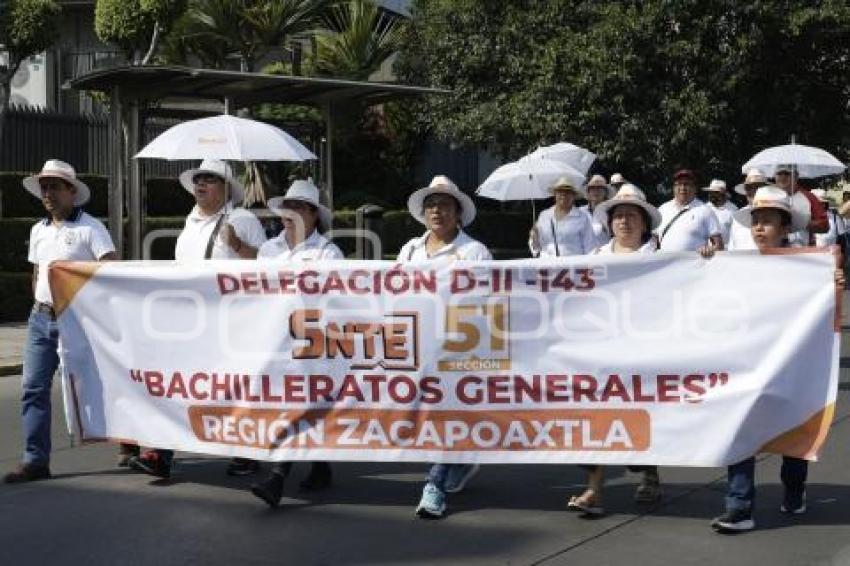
67, 278
805, 440
615, 430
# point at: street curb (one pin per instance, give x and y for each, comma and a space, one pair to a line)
11, 369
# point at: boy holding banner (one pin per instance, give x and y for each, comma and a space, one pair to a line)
771, 218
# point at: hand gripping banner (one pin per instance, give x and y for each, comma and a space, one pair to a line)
665, 359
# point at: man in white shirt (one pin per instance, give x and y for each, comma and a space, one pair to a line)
67, 233
686, 223
215, 229
718, 201
563, 229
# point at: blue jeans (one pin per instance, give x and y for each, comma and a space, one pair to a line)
742, 485
439, 472
41, 360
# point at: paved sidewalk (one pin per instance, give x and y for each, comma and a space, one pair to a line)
12, 338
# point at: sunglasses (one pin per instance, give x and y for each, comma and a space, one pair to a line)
206, 180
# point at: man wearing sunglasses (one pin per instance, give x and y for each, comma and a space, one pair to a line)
215, 229
786, 178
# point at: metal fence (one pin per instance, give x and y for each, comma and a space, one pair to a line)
33, 135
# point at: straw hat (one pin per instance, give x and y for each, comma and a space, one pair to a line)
217, 168
445, 186
60, 170
568, 184
617, 180
303, 191
599, 181
771, 196
628, 194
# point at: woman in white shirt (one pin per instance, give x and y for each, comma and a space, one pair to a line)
630, 220
444, 210
563, 229
598, 191
304, 218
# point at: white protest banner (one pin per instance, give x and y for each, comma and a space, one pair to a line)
663, 359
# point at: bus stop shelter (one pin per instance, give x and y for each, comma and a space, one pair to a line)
136, 93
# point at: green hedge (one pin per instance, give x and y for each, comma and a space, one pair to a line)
16, 298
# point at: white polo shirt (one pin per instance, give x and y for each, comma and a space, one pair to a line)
193, 240
724, 217
691, 230
740, 236
571, 235
80, 237
463, 247
314, 248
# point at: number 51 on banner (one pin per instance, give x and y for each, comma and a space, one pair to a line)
478, 336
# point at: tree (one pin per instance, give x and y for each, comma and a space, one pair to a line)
136, 26
358, 38
647, 85
247, 29
27, 27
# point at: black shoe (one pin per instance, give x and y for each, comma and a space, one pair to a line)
319, 477
28, 472
242, 467
734, 522
152, 462
794, 502
270, 490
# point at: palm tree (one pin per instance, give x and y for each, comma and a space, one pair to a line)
248, 28
358, 38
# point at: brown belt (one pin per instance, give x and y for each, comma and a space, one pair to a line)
44, 308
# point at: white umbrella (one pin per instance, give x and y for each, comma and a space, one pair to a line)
576, 157
528, 178
226, 137
811, 162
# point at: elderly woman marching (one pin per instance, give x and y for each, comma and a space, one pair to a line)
304, 221
563, 229
630, 220
598, 191
444, 210
740, 236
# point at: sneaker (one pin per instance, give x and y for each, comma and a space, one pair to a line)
433, 503
648, 491
242, 467
270, 490
153, 463
794, 502
319, 477
125, 452
458, 476
28, 472
734, 521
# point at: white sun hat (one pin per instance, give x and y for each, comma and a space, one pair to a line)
217, 168
716, 186
617, 179
60, 170
304, 191
444, 186
754, 176
628, 194
771, 196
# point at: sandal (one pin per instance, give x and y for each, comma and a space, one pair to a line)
587, 504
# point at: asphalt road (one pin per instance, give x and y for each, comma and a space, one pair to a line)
94, 513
